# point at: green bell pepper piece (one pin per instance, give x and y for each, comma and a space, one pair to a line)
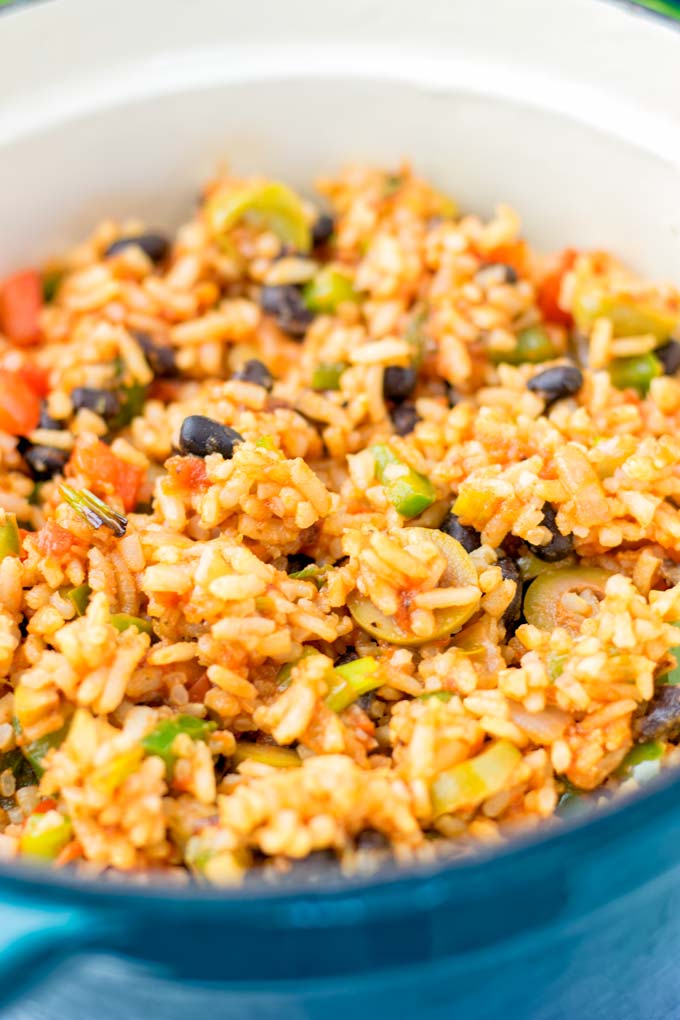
410, 493
160, 740
351, 680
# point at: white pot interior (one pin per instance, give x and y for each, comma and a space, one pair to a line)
487, 111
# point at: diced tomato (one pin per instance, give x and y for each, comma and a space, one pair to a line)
36, 377
106, 473
189, 472
43, 806
21, 302
550, 287
53, 540
515, 254
19, 404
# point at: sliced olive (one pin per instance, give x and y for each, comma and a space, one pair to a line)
269, 204
459, 571
628, 314
543, 602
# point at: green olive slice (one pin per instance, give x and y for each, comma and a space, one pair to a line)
543, 602
460, 571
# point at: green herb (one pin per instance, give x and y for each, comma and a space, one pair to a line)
94, 510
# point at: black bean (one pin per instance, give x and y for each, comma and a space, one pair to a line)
297, 562
468, 536
662, 721
560, 546
287, 306
45, 461
669, 356
156, 246
399, 383
105, 403
496, 272
349, 655
512, 614
201, 436
323, 229
256, 372
557, 382
160, 357
404, 418
372, 839
46, 420
365, 701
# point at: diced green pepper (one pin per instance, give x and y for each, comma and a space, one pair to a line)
408, 491
121, 621
329, 288
36, 751
80, 597
269, 204
459, 571
94, 510
444, 696
45, 835
635, 373
162, 737
351, 680
326, 376
471, 782
643, 762
9, 537
533, 346
266, 754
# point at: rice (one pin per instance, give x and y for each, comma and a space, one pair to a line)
362, 524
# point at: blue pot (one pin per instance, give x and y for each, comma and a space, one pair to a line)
581, 922
585, 922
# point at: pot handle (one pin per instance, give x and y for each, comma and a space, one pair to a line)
35, 939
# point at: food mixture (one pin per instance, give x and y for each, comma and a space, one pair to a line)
348, 534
